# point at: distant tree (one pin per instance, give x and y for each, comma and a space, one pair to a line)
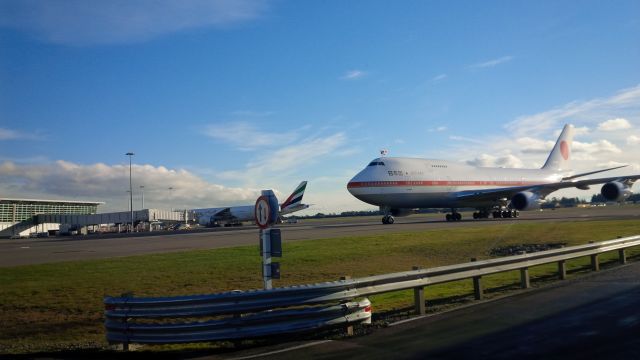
635, 198
569, 202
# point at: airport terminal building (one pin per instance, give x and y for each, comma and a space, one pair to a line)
35, 217
17, 216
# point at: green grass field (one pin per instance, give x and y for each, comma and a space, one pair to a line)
59, 306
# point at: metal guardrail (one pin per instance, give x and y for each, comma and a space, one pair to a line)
266, 321
261, 324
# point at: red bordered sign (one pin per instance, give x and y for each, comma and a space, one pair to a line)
262, 212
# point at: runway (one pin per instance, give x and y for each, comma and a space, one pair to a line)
16, 252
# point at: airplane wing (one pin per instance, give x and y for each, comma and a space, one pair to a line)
592, 172
487, 195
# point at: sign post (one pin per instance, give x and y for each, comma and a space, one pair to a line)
265, 214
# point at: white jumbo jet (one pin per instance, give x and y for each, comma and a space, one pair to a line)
400, 185
234, 215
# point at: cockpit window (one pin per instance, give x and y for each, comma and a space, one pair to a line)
376, 163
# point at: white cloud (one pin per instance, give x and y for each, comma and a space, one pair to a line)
529, 145
79, 22
614, 124
465, 139
578, 131
9, 134
286, 160
491, 63
596, 147
591, 112
353, 75
439, 77
633, 140
438, 129
486, 160
109, 183
246, 136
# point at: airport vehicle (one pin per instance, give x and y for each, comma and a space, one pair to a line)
234, 215
400, 185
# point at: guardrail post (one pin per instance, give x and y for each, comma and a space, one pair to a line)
595, 263
524, 278
125, 320
418, 297
477, 285
623, 256
562, 269
349, 327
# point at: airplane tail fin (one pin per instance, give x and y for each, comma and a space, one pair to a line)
294, 201
560, 156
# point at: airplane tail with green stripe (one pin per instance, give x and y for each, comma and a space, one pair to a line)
294, 201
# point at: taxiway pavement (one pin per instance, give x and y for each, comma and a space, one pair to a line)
15, 252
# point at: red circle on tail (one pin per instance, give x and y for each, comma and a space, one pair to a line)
564, 150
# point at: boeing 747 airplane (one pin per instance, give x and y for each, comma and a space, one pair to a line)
400, 185
234, 215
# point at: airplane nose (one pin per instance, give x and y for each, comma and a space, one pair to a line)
352, 185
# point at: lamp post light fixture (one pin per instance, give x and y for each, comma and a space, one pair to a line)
130, 155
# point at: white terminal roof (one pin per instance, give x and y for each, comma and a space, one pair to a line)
53, 201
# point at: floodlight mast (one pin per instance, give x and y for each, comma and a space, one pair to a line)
130, 155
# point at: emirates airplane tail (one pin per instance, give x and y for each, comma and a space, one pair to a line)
401, 185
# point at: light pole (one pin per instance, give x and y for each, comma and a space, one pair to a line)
170, 193
142, 191
130, 155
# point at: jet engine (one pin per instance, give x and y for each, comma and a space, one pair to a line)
525, 200
402, 212
615, 191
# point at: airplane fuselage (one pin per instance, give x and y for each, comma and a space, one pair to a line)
423, 183
236, 213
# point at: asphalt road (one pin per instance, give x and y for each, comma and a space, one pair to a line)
15, 252
592, 317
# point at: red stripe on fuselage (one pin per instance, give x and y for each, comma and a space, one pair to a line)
365, 184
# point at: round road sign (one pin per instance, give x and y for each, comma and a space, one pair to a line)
262, 212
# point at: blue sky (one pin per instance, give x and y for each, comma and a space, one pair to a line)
219, 99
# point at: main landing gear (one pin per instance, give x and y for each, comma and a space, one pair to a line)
482, 214
454, 216
388, 219
504, 214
